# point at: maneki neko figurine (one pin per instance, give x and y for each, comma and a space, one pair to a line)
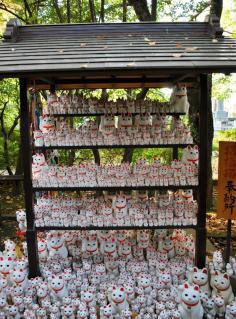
179, 99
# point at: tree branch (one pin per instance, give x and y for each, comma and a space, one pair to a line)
58, 12
4, 131
142, 94
216, 7
27, 7
124, 11
102, 12
68, 11
154, 10
5, 139
96, 156
141, 9
92, 11
200, 11
4, 8
13, 126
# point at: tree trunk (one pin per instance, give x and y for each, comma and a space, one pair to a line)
96, 156
154, 10
141, 9
92, 11
143, 14
102, 15
19, 166
128, 155
209, 150
124, 10
6, 155
19, 171
80, 5
68, 15
216, 7
58, 11
71, 157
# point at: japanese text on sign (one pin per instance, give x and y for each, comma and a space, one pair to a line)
226, 202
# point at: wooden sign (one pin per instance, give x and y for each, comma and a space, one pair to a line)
226, 203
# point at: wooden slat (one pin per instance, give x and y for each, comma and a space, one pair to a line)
137, 56
116, 62
125, 53
118, 48
99, 66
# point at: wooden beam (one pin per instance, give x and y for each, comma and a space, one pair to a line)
27, 164
109, 86
203, 130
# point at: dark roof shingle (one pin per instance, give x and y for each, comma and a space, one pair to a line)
112, 46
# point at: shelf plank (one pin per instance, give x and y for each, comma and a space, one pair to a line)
113, 188
113, 227
66, 147
115, 114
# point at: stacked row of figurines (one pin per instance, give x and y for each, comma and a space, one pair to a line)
144, 129
73, 104
117, 210
178, 173
124, 129
108, 274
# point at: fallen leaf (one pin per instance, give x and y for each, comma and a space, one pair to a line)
231, 46
106, 47
214, 40
152, 43
101, 37
83, 44
179, 45
131, 64
191, 49
83, 66
146, 39
177, 55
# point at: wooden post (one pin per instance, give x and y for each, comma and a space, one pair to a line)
201, 228
31, 236
175, 151
228, 242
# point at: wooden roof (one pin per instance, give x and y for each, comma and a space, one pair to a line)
110, 48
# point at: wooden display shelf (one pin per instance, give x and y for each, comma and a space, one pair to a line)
113, 188
114, 114
66, 147
114, 227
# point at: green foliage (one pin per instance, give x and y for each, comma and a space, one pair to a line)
227, 135
184, 10
9, 93
165, 154
223, 86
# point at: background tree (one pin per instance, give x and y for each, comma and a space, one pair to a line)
80, 11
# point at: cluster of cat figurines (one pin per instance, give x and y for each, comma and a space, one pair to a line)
135, 209
142, 173
115, 274
74, 104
